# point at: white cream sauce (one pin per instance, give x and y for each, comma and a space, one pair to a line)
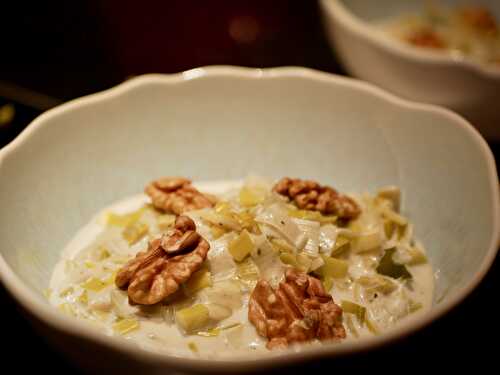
158, 335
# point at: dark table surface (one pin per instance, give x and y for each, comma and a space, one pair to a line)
55, 51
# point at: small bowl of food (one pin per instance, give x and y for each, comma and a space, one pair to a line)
443, 53
229, 219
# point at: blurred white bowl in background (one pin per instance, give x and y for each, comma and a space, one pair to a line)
468, 87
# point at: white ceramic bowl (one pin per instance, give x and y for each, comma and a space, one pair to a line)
467, 87
221, 123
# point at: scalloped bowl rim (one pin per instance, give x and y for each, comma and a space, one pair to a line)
356, 25
34, 304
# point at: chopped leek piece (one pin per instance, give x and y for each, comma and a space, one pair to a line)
355, 227
66, 292
222, 206
218, 312
327, 283
193, 347
217, 232
377, 283
111, 278
282, 245
303, 262
248, 222
355, 309
267, 260
229, 220
351, 326
335, 268
316, 263
356, 292
327, 237
165, 221
247, 270
225, 293
134, 232
402, 229
125, 220
367, 242
199, 280
168, 314
94, 285
212, 332
313, 216
124, 326
229, 326
328, 219
289, 259
394, 217
305, 214
414, 306
83, 298
251, 196
120, 304
89, 264
225, 220
388, 267
393, 194
371, 326
192, 318
102, 253
389, 228
275, 217
242, 246
311, 231
342, 244
417, 256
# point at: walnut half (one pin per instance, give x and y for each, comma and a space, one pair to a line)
310, 195
168, 262
177, 195
298, 310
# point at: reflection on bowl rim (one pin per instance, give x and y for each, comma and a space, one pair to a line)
34, 302
336, 9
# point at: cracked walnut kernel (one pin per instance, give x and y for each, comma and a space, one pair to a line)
168, 262
298, 310
310, 195
177, 195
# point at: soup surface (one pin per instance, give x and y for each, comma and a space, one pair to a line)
289, 264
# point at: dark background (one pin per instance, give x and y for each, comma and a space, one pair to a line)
53, 51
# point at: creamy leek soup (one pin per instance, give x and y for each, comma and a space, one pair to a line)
470, 32
216, 269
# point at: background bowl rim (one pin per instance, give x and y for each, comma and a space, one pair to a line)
355, 24
35, 305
